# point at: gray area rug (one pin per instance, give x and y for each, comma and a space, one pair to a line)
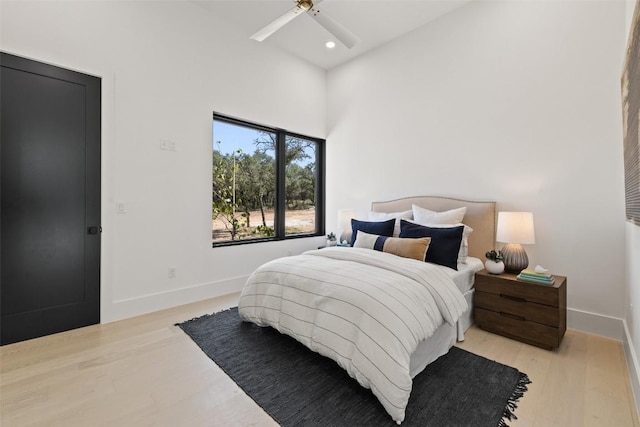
298, 387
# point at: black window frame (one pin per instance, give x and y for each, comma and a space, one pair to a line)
280, 204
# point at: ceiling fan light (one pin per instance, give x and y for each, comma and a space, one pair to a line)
305, 4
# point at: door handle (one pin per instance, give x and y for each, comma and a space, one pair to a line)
93, 230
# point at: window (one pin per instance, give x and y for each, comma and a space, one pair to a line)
267, 184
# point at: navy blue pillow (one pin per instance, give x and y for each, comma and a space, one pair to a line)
445, 242
384, 228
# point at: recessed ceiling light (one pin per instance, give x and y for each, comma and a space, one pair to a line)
330, 44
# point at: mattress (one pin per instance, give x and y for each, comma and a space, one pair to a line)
464, 277
432, 348
447, 335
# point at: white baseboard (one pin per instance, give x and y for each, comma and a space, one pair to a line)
597, 324
144, 304
632, 364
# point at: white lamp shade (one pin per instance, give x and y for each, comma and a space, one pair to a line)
515, 227
344, 222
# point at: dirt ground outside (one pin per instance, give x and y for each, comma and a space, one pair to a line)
296, 221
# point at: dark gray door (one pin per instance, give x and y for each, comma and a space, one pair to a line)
50, 188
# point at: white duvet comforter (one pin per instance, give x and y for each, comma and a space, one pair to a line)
365, 309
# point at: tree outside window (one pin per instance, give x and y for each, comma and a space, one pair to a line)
249, 201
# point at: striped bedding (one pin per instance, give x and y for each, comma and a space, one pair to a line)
365, 309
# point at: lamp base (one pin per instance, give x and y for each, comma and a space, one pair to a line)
345, 236
515, 258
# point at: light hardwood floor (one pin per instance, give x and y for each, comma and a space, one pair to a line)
145, 371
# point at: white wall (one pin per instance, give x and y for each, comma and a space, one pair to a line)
517, 102
165, 67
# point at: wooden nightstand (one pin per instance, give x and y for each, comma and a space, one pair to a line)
528, 312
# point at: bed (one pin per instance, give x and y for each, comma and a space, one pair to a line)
480, 216
381, 317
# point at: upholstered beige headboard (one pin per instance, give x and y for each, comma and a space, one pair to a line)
481, 216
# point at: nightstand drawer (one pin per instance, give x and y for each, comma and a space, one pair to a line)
514, 327
541, 294
517, 306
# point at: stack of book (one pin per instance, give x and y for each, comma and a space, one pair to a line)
533, 277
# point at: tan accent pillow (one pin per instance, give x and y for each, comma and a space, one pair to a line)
415, 248
407, 248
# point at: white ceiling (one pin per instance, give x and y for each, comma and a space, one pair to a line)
374, 22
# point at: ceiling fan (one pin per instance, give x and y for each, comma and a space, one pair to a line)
338, 31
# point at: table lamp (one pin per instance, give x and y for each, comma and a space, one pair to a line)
344, 223
515, 229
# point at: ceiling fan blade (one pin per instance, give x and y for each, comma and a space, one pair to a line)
345, 36
277, 24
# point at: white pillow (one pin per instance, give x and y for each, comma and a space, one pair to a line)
425, 216
463, 253
381, 216
365, 240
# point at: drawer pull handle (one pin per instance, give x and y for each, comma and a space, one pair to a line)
513, 316
512, 298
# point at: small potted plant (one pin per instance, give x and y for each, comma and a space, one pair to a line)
494, 263
331, 239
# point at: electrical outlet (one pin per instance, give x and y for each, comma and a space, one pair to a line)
172, 146
172, 272
164, 144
